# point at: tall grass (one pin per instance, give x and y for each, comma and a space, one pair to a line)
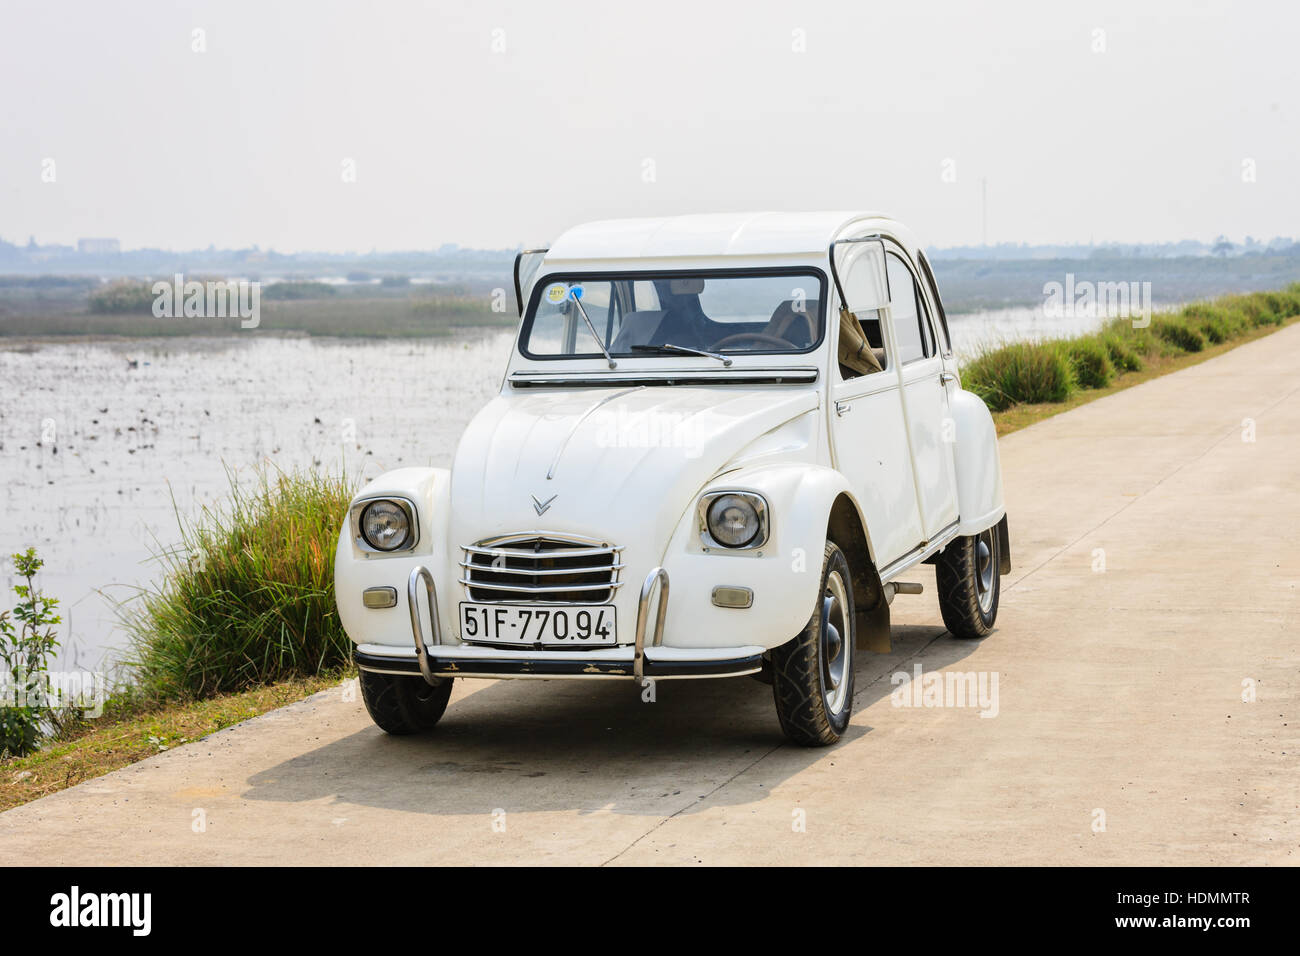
1052, 371
1089, 361
1020, 372
248, 596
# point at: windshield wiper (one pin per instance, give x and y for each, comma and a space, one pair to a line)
577, 300
669, 347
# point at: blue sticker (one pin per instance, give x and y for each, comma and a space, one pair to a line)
576, 291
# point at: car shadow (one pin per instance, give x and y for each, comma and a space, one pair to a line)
539, 745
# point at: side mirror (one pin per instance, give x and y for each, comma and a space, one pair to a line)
526, 265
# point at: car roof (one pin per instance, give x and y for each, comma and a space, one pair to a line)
714, 234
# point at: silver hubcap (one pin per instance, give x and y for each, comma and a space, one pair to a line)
986, 569
836, 648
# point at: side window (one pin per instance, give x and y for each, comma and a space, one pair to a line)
927, 327
938, 302
910, 329
860, 274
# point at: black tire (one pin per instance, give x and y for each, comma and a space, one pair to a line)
969, 581
814, 707
404, 705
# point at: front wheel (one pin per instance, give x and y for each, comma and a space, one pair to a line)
404, 705
812, 676
969, 581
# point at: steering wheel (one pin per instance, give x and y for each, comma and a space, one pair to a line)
753, 336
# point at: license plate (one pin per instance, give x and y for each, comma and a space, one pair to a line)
568, 625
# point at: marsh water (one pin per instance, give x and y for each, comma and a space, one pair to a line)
102, 442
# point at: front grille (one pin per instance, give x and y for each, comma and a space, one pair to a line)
547, 569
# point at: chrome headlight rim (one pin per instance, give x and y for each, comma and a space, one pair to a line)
754, 499
358, 510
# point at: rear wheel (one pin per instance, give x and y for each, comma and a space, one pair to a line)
970, 583
404, 705
812, 676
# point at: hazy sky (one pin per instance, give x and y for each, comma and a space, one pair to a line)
491, 124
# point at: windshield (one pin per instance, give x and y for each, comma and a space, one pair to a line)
673, 314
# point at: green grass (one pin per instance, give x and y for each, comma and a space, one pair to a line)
1125, 355
1020, 372
1028, 373
1178, 334
1089, 362
248, 595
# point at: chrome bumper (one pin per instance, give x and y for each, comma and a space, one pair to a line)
439, 661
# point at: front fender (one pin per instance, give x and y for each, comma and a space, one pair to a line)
784, 574
429, 489
975, 461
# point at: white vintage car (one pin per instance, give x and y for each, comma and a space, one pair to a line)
720, 443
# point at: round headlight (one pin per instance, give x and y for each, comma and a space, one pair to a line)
733, 521
385, 526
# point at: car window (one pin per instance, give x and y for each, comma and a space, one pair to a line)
928, 273
672, 314
914, 341
859, 275
927, 327
559, 331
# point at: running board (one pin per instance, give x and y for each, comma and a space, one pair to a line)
918, 554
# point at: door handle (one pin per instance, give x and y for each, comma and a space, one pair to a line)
843, 408
946, 378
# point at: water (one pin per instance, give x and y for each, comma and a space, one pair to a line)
974, 331
98, 438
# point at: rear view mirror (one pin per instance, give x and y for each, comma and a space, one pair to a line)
526, 265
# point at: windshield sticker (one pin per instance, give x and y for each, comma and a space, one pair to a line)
556, 293
576, 291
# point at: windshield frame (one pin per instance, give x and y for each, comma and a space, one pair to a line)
544, 279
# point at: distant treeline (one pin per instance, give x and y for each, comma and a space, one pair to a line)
970, 285
372, 302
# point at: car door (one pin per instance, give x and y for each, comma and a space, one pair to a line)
869, 440
925, 382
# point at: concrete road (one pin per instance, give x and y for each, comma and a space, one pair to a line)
1156, 537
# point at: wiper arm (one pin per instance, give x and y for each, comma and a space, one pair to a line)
669, 347
578, 302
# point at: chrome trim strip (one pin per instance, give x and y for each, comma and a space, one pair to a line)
539, 588
919, 553
489, 569
697, 377
521, 553
499, 676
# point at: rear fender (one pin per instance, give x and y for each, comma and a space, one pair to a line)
975, 460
